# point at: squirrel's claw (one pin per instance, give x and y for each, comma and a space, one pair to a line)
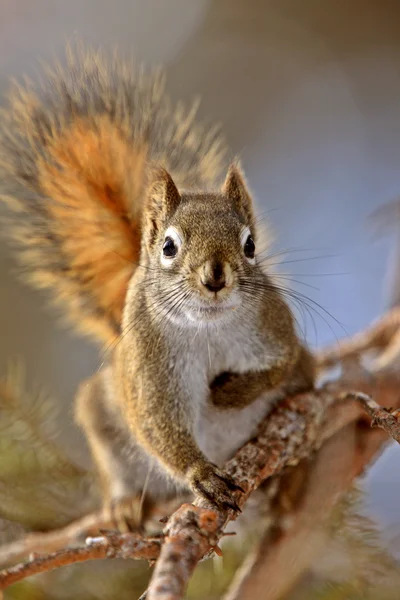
233, 506
215, 486
231, 484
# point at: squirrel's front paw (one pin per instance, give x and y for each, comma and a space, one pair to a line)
128, 514
213, 484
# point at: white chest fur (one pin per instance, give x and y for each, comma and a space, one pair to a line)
207, 353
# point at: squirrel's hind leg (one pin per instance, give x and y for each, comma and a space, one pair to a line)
120, 464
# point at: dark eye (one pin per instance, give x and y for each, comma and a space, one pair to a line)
169, 248
249, 247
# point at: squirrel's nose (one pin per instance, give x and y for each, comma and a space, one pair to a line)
214, 277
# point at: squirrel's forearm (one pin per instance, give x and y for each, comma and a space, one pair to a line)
153, 395
171, 441
166, 433
236, 390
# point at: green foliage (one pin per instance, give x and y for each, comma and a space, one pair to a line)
40, 487
10, 530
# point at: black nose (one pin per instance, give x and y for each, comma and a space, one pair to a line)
215, 278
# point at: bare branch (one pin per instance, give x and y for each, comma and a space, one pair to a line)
382, 417
38, 543
51, 541
126, 545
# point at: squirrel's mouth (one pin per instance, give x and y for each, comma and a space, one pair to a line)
210, 310
206, 312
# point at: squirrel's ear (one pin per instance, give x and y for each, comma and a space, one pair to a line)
162, 201
163, 194
235, 188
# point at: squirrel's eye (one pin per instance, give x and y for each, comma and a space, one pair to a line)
249, 247
169, 248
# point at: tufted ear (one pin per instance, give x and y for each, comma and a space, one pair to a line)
235, 188
162, 201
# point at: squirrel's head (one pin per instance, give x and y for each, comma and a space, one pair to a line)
200, 248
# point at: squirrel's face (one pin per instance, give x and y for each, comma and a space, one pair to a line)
201, 250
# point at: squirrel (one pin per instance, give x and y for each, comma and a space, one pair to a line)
119, 204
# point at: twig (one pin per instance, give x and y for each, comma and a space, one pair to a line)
38, 543
382, 417
51, 541
110, 545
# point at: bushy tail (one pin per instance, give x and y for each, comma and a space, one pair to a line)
74, 153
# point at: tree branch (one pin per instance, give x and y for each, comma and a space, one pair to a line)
52, 541
128, 545
385, 418
294, 430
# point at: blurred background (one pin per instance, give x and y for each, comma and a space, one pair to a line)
308, 93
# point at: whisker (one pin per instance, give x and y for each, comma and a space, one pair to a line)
250, 286
297, 260
154, 306
289, 278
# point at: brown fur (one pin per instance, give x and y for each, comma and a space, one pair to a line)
97, 168
74, 158
176, 381
95, 184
